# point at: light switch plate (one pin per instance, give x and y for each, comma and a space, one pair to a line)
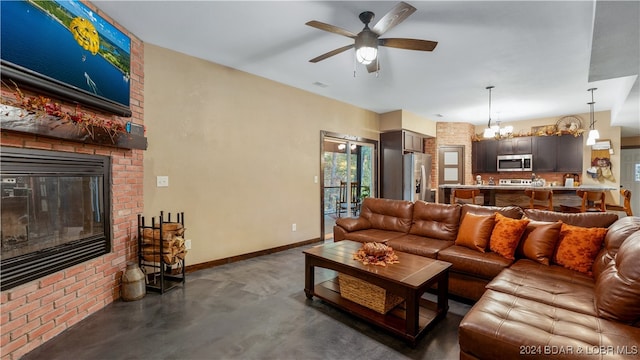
162, 181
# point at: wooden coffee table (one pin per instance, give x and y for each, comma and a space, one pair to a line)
410, 278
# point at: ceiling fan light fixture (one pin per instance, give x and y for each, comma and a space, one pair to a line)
366, 46
366, 55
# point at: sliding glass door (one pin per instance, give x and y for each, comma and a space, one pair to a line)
348, 166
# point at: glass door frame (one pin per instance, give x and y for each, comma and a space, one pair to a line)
327, 135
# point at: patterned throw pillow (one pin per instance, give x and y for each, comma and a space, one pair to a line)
475, 231
578, 247
506, 235
539, 241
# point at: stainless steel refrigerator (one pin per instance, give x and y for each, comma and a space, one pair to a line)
416, 177
406, 176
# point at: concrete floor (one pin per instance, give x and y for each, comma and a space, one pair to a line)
252, 309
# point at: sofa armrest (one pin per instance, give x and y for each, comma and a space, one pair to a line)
353, 224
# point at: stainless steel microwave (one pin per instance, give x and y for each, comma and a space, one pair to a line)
515, 162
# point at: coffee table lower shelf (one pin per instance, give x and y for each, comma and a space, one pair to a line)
394, 321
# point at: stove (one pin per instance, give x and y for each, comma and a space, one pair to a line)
515, 182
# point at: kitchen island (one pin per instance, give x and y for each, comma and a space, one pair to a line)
502, 195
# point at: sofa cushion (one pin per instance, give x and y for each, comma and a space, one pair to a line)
437, 221
419, 245
552, 272
388, 214
594, 219
504, 326
618, 287
539, 241
475, 231
506, 235
616, 235
513, 212
372, 235
483, 265
578, 247
539, 287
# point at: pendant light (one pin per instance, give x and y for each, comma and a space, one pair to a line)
593, 133
490, 131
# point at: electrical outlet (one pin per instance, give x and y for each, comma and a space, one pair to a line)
9, 181
293, 227
162, 181
187, 244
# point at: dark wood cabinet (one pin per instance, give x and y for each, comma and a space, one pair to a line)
569, 153
557, 153
412, 142
484, 156
519, 145
544, 153
550, 153
393, 145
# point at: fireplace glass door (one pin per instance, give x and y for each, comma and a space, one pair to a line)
40, 212
54, 212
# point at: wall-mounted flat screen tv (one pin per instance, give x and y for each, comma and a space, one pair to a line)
65, 49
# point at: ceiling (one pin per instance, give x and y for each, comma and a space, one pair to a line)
541, 56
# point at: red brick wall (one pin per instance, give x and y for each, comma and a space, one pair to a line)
430, 148
37, 311
453, 134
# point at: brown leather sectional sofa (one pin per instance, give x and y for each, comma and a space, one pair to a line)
525, 308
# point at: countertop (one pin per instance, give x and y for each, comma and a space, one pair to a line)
522, 187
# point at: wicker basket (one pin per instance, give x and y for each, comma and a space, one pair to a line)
366, 294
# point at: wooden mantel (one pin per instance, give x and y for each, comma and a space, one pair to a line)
58, 129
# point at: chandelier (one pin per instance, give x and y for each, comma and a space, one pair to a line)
496, 131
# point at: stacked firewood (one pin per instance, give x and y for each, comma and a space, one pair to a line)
171, 247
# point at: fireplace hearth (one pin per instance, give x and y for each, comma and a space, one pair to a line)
55, 209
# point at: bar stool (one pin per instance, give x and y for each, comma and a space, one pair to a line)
465, 194
592, 201
538, 195
626, 207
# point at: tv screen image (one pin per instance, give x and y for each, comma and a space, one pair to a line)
64, 44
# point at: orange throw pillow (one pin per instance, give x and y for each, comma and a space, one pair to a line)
539, 241
475, 231
578, 247
506, 235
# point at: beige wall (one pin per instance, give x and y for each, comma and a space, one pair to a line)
241, 153
603, 119
402, 119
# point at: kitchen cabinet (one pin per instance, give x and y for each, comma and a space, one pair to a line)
544, 153
403, 140
393, 146
557, 153
484, 156
569, 153
412, 142
515, 146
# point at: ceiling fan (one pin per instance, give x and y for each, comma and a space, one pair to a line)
367, 40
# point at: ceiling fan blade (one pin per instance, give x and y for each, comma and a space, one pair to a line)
331, 28
394, 17
409, 44
331, 53
373, 66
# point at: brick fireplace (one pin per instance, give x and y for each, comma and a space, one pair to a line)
40, 309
